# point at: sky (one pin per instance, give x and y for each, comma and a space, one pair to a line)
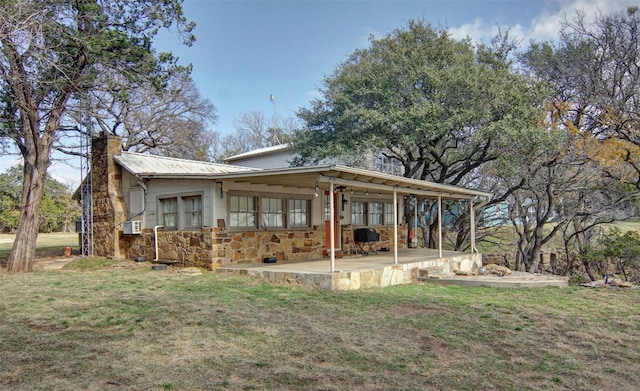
247, 51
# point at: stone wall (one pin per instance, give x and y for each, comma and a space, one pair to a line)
386, 238
212, 247
108, 203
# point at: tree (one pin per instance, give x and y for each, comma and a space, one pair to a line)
440, 107
170, 122
253, 130
594, 70
9, 199
594, 77
58, 210
53, 51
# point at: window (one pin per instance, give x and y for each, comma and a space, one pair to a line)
371, 213
375, 213
169, 213
272, 212
242, 211
298, 213
192, 211
358, 213
388, 213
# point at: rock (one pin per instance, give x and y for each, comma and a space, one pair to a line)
498, 270
463, 273
192, 271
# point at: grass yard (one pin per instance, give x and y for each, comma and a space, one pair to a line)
47, 245
121, 326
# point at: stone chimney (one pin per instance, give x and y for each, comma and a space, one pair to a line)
108, 202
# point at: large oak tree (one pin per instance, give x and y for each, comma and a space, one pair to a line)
441, 108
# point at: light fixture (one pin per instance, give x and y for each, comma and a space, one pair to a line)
316, 193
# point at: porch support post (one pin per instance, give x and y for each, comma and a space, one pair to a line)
439, 226
332, 234
395, 226
415, 219
472, 223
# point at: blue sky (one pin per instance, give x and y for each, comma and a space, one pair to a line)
246, 51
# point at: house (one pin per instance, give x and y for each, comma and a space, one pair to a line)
216, 215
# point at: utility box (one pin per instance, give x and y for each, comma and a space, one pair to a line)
132, 227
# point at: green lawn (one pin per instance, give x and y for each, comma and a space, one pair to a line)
47, 244
122, 326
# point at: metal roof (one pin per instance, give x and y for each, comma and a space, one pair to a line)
258, 152
151, 166
352, 179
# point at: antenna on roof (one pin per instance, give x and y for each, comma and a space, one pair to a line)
272, 99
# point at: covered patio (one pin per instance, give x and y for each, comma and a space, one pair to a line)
352, 272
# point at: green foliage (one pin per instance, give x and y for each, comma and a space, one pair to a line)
440, 106
616, 252
58, 211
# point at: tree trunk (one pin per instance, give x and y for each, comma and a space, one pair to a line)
24, 247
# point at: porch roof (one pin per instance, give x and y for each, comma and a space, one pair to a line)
349, 178
309, 177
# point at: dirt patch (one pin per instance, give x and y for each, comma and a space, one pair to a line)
51, 263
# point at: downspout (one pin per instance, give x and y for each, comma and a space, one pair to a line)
155, 239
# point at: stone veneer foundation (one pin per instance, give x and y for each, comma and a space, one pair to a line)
211, 248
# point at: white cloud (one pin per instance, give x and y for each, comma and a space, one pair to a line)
546, 25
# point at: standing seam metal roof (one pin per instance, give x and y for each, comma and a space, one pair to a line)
149, 165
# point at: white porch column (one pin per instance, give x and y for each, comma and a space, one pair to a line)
415, 220
472, 223
440, 226
395, 226
332, 233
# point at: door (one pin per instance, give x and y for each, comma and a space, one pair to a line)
327, 221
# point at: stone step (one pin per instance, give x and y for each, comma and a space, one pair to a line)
430, 273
